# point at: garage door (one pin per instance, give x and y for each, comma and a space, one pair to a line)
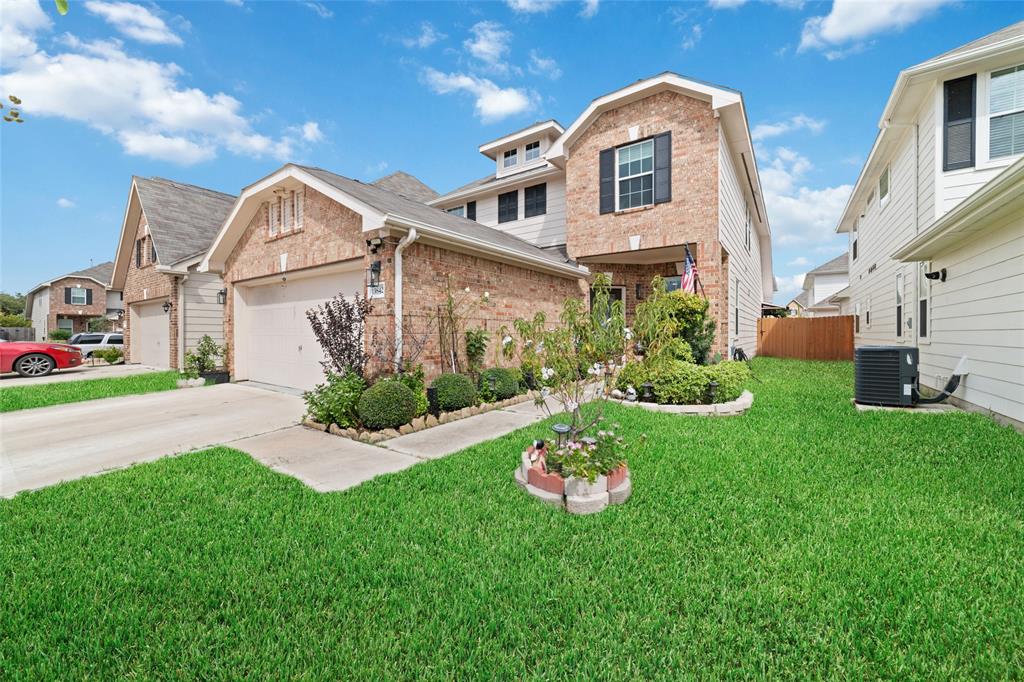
281, 347
150, 335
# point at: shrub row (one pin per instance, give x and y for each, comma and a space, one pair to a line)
676, 382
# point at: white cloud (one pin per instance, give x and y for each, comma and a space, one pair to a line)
799, 262
492, 102
141, 103
692, 31
800, 215
428, 36
311, 132
590, 8
853, 21
531, 6
789, 286
322, 10
64, 202
691, 39
733, 4
134, 21
544, 66
489, 43
763, 131
20, 21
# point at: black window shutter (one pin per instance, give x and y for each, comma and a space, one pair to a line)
67, 295
663, 167
607, 173
958, 123
471, 210
88, 296
138, 253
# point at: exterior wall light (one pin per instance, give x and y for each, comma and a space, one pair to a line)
938, 274
222, 296
166, 306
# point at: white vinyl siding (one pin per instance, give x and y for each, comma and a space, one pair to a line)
543, 230
744, 264
979, 312
203, 314
41, 313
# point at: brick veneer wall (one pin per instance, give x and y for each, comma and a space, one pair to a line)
629, 275
80, 314
144, 284
691, 216
333, 233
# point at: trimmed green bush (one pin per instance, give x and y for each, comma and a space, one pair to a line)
633, 373
413, 378
678, 349
454, 392
731, 376
14, 320
387, 405
505, 384
59, 335
111, 355
335, 401
679, 383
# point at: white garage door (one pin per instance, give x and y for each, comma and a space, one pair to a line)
150, 335
281, 347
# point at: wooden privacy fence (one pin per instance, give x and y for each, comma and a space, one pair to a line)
806, 338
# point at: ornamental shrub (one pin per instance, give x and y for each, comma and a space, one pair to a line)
731, 376
505, 384
667, 315
634, 373
334, 402
679, 383
454, 392
386, 405
412, 377
111, 356
14, 320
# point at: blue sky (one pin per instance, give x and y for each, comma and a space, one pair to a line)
221, 93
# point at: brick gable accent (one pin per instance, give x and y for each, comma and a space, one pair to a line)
144, 284
80, 314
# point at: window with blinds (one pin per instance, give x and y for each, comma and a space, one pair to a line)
1006, 112
958, 123
286, 212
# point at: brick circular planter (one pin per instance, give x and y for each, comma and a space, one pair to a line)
575, 495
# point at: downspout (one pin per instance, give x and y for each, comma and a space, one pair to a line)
408, 239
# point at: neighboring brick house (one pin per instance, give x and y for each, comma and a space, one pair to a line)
641, 175
169, 305
303, 235
69, 302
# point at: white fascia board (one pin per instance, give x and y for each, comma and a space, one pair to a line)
497, 185
488, 147
253, 195
123, 254
487, 248
717, 96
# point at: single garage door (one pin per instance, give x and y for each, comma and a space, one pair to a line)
150, 334
282, 349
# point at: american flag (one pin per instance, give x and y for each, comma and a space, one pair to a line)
688, 278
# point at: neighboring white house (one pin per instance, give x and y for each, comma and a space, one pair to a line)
938, 192
820, 286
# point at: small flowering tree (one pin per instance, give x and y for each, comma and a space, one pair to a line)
578, 359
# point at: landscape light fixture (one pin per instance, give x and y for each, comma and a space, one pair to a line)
712, 391
561, 431
648, 392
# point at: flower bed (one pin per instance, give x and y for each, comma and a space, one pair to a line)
573, 494
727, 409
419, 423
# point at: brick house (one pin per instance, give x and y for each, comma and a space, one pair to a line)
69, 302
642, 175
303, 235
169, 305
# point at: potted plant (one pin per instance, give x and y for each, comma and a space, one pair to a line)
201, 361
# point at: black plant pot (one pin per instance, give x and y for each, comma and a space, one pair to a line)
216, 376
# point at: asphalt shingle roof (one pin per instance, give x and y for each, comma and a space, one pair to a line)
101, 273
839, 264
406, 185
395, 204
183, 219
1011, 31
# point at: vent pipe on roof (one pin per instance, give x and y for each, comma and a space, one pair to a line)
408, 239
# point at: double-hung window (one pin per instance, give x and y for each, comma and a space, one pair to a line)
457, 210
883, 187
508, 206
899, 304
924, 288
533, 151
78, 296
535, 200
635, 165
510, 158
1006, 112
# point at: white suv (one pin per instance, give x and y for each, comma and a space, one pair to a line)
88, 343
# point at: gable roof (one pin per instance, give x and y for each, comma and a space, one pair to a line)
406, 185
380, 207
101, 274
838, 265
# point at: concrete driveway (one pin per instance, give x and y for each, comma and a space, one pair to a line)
77, 374
44, 446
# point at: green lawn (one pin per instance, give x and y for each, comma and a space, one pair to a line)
800, 540
57, 393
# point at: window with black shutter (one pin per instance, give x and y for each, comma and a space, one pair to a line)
508, 206
535, 200
138, 253
958, 123
67, 295
152, 250
471, 210
606, 170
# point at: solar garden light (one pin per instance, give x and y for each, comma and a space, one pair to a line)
491, 382
561, 430
648, 392
712, 391
432, 401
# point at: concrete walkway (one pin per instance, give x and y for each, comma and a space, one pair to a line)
77, 374
44, 446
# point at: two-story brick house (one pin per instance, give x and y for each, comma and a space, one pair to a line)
936, 222
69, 302
170, 305
644, 174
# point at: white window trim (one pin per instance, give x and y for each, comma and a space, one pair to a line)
76, 290
900, 301
867, 313
527, 150
854, 237
887, 173
510, 154
983, 123
282, 221
925, 266
748, 237
638, 175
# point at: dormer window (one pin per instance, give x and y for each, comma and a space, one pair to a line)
457, 210
510, 158
533, 151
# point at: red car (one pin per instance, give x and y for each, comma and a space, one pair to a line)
30, 359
